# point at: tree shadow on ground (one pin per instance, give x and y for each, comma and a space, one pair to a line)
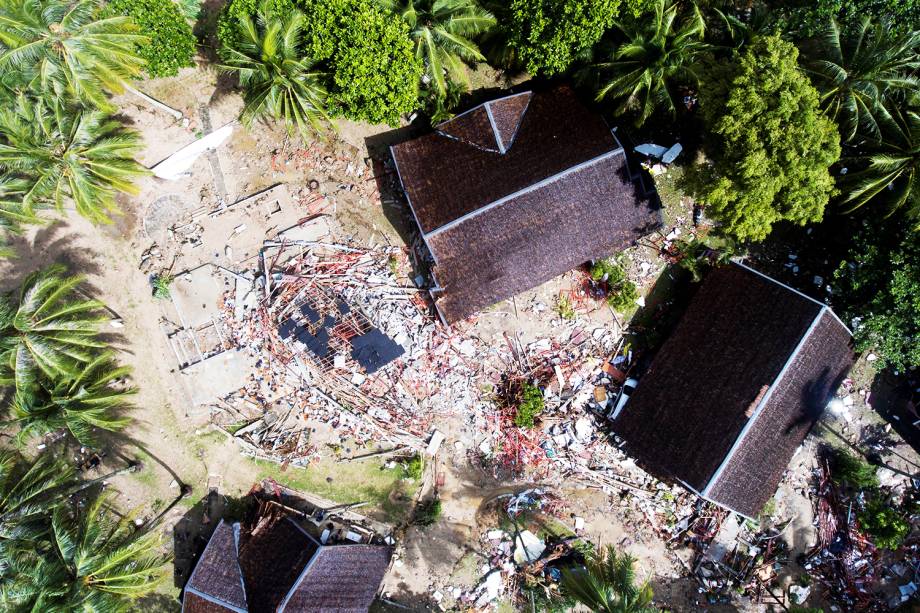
158, 603
680, 594
52, 244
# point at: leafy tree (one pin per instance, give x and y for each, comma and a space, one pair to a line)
67, 48
549, 35
806, 19
63, 152
770, 147
607, 584
47, 329
228, 22
170, 44
658, 53
279, 82
847, 469
442, 31
93, 561
878, 288
887, 525
375, 72
91, 399
887, 172
858, 72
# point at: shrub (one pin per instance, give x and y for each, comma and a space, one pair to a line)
609, 270
428, 512
161, 285
415, 467
887, 525
530, 406
847, 469
170, 45
228, 20
565, 308
623, 297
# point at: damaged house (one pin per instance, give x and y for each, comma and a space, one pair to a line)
736, 388
278, 567
517, 191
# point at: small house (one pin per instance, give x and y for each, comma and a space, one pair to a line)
517, 191
735, 389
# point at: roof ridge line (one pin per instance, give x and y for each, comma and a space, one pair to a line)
498, 138
763, 401
300, 578
525, 190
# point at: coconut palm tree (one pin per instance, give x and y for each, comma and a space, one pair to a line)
60, 47
12, 213
90, 400
888, 172
68, 153
92, 561
660, 52
47, 330
607, 584
280, 83
858, 72
442, 31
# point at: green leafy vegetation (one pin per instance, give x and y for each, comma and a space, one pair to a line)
887, 525
565, 308
849, 470
415, 467
770, 147
161, 285
170, 44
607, 584
530, 406
611, 274
428, 512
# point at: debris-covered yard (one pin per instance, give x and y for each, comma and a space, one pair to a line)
291, 337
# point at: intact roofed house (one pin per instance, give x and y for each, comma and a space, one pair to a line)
517, 191
736, 388
281, 568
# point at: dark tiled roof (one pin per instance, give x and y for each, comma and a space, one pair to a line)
341, 579
501, 223
539, 235
217, 574
756, 467
271, 560
193, 603
446, 178
717, 370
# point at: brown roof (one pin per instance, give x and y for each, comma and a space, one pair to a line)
216, 583
271, 560
735, 389
519, 190
340, 579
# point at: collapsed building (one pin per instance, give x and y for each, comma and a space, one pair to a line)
517, 191
735, 389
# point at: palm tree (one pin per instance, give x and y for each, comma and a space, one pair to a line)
442, 31
73, 153
279, 82
606, 584
48, 330
659, 52
90, 400
59, 47
12, 213
858, 72
92, 562
888, 171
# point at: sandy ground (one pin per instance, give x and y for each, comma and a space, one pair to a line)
173, 438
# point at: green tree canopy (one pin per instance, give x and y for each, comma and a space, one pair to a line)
443, 33
548, 35
658, 53
877, 290
607, 584
170, 44
279, 82
858, 72
68, 48
770, 147
61, 152
804, 19
375, 72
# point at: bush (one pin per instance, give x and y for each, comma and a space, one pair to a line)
887, 525
428, 512
171, 44
229, 17
565, 308
530, 406
847, 469
161, 285
623, 297
608, 270
415, 467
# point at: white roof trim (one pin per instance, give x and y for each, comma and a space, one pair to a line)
498, 138
530, 188
763, 402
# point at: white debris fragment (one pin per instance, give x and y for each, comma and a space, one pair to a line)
437, 437
528, 548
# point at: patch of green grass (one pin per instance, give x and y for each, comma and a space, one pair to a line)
565, 308
668, 186
531, 405
343, 483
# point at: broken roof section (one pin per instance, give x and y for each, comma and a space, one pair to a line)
735, 390
278, 567
517, 191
